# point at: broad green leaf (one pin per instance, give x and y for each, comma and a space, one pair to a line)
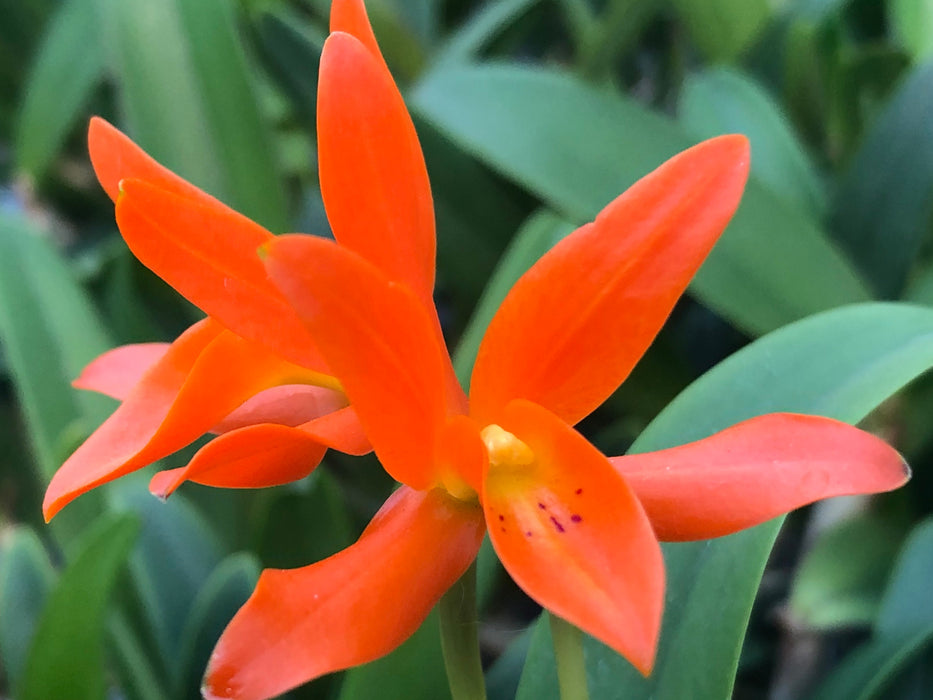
188, 94
723, 28
504, 675
577, 148
903, 629
228, 587
722, 101
66, 659
840, 580
26, 576
536, 236
912, 21
49, 332
176, 554
882, 213
841, 364
68, 67
413, 671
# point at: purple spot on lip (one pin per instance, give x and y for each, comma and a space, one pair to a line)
542, 506
528, 533
576, 518
557, 525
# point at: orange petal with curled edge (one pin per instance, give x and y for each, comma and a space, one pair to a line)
572, 534
177, 401
115, 157
207, 252
351, 608
288, 404
373, 178
258, 456
350, 16
378, 338
117, 371
574, 325
254, 457
756, 470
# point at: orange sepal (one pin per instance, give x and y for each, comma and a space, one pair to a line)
373, 178
287, 404
117, 371
351, 608
178, 400
574, 325
378, 338
115, 157
572, 534
755, 471
207, 252
350, 16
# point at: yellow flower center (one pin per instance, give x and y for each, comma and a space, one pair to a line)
505, 450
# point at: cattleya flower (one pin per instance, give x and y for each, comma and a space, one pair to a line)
311, 343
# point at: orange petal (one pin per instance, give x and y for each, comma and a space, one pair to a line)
755, 471
373, 177
351, 608
177, 401
571, 533
378, 339
575, 324
115, 157
268, 454
207, 252
254, 457
289, 404
117, 371
350, 16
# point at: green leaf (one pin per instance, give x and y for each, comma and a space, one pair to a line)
67, 69
841, 364
722, 101
177, 552
25, 579
577, 148
228, 587
883, 210
292, 49
66, 659
414, 671
488, 22
723, 28
303, 523
912, 21
840, 580
536, 236
903, 630
49, 332
188, 94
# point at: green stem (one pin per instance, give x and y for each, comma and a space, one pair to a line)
459, 639
568, 650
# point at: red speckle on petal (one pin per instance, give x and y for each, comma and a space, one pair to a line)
542, 506
576, 518
528, 533
501, 518
578, 491
557, 524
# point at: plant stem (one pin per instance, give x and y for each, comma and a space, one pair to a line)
568, 650
459, 639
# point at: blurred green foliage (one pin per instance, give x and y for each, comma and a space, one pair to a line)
532, 114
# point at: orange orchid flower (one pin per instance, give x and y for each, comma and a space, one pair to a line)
577, 531
314, 343
249, 371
